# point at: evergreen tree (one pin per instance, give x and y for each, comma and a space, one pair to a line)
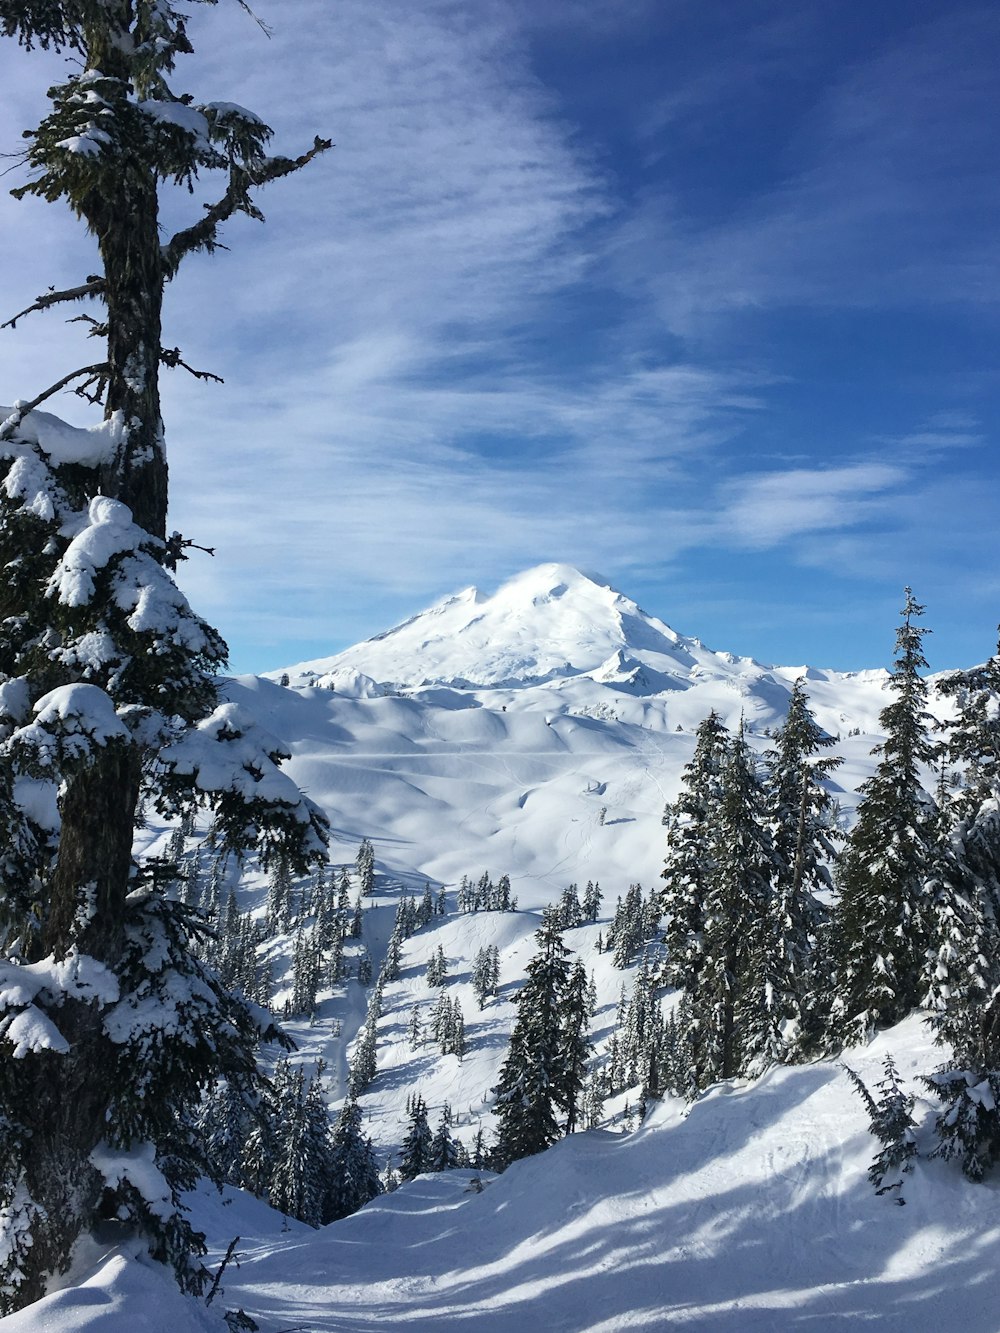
354, 1178
415, 1154
445, 1153
437, 968
803, 820
278, 909
690, 821
732, 1004
364, 1065
881, 929
390, 970
576, 1048
366, 869
890, 1116
110, 676
591, 904
364, 968
486, 973
961, 970
630, 927
299, 1178
533, 1084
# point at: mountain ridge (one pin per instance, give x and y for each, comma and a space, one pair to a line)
549, 623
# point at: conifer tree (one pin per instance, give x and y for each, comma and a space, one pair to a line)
881, 928
690, 820
577, 1048
354, 1177
437, 968
732, 1003
445, 1153
536, 1081
107, 673
366, 868
961, 970
890, 1115
591, 902
415, 1154
803, 819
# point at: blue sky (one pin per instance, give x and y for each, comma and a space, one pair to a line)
700, 297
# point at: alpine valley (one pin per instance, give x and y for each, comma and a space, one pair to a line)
493, 756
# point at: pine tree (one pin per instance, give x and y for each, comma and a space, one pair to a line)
533, 1083
890, 1116
437, 968
415, 1154
113, 674
803, 820
591, 904
881, 930
445, 1153
732, 1002
629, 928
354, 1178
299, 1178
576, 1047
690, 820
486, 973
278, 909
366, 869
961, 971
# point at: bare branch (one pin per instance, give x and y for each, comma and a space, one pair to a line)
175, 547
171, 356
259, 21
236, 199
91, 373
213, 1291
94, 286
98, 327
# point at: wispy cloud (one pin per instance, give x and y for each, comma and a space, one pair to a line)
464, 343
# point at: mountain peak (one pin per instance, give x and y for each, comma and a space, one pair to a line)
545, 623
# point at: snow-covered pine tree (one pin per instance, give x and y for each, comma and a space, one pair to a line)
961, 969
591, 902
415, 1153
577, 1048
630, 927
354, 1178
570, 911
532, 1083
803, 815
437, 968
301, 1166
278, 908
732, 1004
445, 1152
881, 927
689, 822
486, 973
365, 866
107, 673
890, 1116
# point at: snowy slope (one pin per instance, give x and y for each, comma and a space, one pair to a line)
751, 1215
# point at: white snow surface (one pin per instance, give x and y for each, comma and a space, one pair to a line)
552, 763
60, 441
750, 1214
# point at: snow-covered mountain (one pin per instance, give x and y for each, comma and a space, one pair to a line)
538, 732
548, 624
489, 732
555, 639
